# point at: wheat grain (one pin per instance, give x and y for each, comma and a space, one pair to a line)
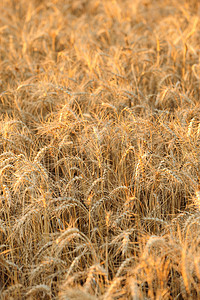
135, 294
75, 261
42, 249
112, 287
39, 288
125, 263
71, 294
11, 289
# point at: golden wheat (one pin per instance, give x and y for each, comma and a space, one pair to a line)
99, 149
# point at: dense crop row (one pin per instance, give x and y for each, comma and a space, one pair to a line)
99, 149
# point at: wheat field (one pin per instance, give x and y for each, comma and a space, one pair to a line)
99, 149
